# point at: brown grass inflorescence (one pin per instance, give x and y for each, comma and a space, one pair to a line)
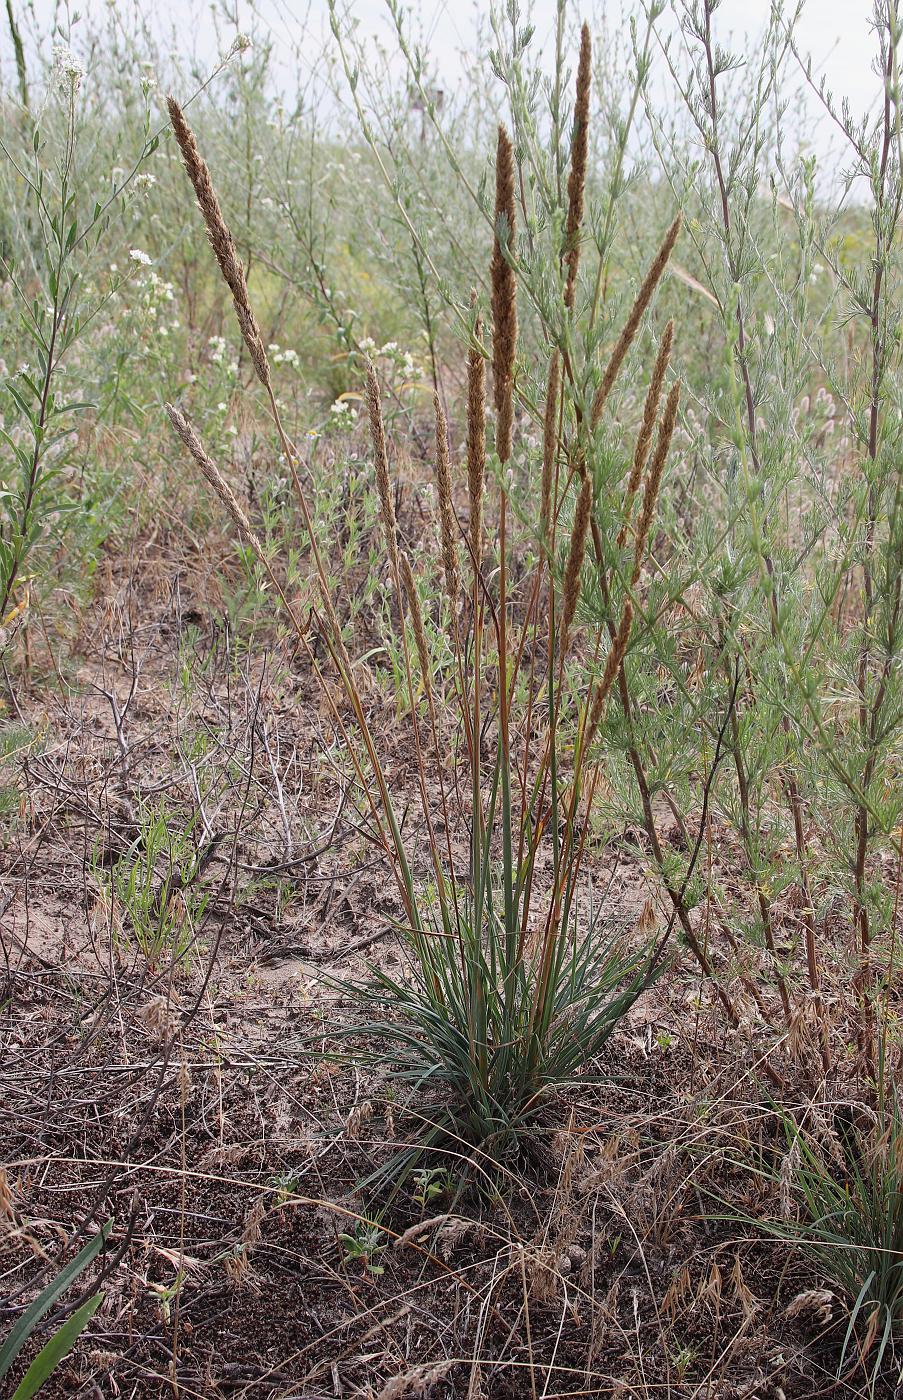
214, 477
577, 176
644, 438
631, 325
613, 663
423, 652
654, 477
504, 297
221, 240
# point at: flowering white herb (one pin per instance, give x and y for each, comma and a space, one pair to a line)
342, 412
67, 70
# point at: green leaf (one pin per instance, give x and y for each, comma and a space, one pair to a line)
50, 1356
21, 403
29, 1320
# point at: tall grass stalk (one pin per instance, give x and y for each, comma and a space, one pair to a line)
514, 984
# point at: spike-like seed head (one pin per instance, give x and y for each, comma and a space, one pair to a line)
214, 476
654, 477
577, 176
504, 297
221, 240
423, 652
644, 438
631, 325
613, 663
446, 509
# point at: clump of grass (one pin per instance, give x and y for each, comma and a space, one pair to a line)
846, 1188
513, 982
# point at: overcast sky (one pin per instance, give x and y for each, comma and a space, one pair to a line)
835, 33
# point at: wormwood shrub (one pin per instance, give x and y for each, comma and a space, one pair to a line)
155, 885
513, 982
45, 268
71, 187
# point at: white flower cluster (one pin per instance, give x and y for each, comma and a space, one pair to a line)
153, 295
149, 81
403, 360
343, 415
67, 70
284, 357
138, 256
155, 289
217, 346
